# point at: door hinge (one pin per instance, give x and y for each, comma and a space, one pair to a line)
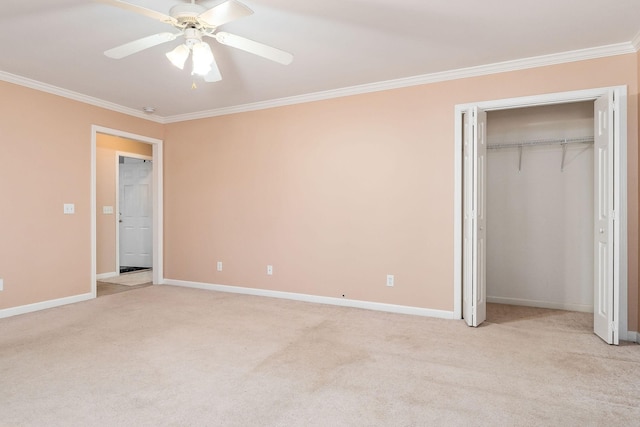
613, 326
613, 215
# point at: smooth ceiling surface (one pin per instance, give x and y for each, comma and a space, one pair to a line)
335, 43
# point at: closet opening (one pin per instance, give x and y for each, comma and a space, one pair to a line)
541, 207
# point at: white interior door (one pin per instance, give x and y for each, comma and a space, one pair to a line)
135, 208
474, 292
606, 285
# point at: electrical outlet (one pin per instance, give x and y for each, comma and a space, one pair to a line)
1, 284
390, 280
269, 270
69, 208
219, 266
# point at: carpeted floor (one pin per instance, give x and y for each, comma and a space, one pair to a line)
169, 356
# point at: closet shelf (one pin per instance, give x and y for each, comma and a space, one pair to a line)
556, 141
562, 142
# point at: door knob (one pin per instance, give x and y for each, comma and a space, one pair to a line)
602, 231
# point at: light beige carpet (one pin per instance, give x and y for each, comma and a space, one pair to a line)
168, 356
131, 279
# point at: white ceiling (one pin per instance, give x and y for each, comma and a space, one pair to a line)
335, 43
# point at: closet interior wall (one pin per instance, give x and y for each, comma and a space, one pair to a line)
540, 209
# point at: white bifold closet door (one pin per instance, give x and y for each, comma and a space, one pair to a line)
474, 296
606, 284
606, 230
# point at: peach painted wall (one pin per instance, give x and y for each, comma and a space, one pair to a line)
337, 194
45, 161
106, 195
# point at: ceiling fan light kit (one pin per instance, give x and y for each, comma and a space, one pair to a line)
202, 59
202, 56
194, 22
178, 56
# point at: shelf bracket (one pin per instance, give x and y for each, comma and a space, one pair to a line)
564, 154
519, 158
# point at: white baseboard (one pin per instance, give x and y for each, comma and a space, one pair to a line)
542, 304
391, 308
633, 336
29, 308
106, 275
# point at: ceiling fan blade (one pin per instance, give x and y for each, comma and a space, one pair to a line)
224, 12
256, 48
141, 10
139, 45
214, 75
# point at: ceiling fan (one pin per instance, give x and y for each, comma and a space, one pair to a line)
194, 22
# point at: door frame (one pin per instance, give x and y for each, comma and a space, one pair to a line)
157, 192
620, 190
118, 195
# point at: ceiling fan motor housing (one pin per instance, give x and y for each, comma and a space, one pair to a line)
186, 13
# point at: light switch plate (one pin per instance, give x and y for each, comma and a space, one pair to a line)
107, 210
1, 284
69, 208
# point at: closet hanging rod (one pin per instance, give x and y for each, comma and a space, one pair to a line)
556, 141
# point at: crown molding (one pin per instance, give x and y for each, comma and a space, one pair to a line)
635, 42
632, 46
482, 70
54, 90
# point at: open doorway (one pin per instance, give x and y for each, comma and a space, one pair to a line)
604, 223
132, 218
127, 211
